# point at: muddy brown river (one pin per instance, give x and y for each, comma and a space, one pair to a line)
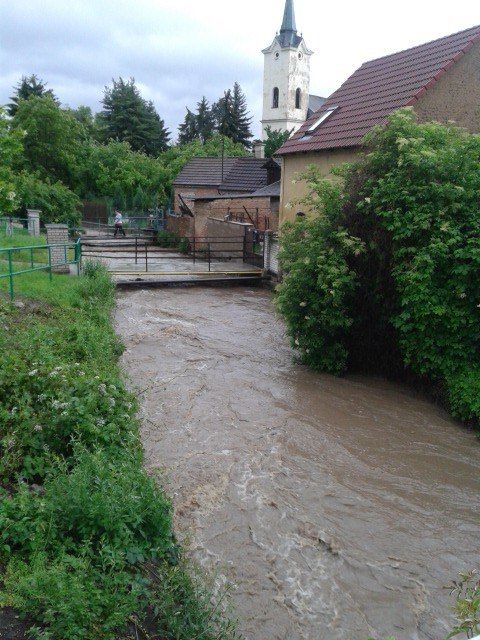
336, 508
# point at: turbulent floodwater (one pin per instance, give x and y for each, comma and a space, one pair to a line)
337, 508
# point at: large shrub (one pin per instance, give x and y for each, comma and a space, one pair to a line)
410, 211
86, 539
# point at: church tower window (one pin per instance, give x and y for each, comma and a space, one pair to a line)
298, 99
276, 98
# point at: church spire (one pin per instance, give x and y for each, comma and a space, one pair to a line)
289, 18
288, 32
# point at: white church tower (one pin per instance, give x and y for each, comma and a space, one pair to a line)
286, 81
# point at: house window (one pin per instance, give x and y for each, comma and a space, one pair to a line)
298, 99
276, 97
318, 121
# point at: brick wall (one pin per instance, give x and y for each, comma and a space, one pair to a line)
260, 209
57, 234
188, 193
183, 226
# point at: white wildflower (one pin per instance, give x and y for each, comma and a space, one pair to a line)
102, 388
11, 195
112, 402
297, 342
33, 372
303, 304
38, 427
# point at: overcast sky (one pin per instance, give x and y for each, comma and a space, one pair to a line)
179, 50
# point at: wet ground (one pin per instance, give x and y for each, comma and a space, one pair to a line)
337, 508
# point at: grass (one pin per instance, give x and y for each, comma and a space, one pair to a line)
22, 259
21, 238
86, 537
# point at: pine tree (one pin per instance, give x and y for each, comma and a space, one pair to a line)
188, 130
224, 116
232, 117
127, 117
26, 88
242, 119
205, 120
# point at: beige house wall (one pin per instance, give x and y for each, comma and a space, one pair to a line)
294, 190
456, 95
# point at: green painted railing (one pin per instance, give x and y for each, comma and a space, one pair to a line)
16, 261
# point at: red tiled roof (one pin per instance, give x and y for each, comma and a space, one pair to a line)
239, 174
377, 89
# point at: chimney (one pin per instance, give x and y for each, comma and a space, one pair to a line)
259, 149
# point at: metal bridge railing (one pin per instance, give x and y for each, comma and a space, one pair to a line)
23, 260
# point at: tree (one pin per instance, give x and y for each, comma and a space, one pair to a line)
27, 88
232, 117
242, 119
11, 148
224, 116
188, 130
52, 139
127, 117
275, 140
205, 120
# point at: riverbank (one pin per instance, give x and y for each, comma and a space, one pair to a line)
87, 547
337, 508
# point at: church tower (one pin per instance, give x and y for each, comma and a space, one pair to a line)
286, 80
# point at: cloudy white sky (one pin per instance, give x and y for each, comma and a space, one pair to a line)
179, 50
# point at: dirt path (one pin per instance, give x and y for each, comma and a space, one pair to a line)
338, 509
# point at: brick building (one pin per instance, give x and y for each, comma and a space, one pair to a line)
245, 190
440, 80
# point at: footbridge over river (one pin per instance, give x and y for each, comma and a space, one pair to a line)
140, 262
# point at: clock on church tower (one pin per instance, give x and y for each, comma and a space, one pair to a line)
286, 82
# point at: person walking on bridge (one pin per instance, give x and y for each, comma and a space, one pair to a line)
119, 224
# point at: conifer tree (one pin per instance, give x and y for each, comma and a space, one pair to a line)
241, 116
26, 88
205, 120
127, 117
232, 117
224, 116
188, 130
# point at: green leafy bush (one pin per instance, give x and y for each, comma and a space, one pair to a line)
467, 607
400, 292
168, 239
318, 283
56, 202
86, 538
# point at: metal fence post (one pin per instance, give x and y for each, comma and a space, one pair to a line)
10, 271
146, 257
136, 250
194, 250
209, 259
